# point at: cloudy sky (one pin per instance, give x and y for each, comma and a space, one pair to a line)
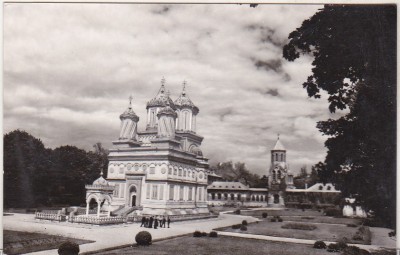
70, 68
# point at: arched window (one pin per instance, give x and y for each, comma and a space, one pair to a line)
257, 198
282, 157
239, 196
232, 197
320, 187
328, 188
226, 196
276, 156
186, 121
279, 174
273, 175
184, 173
261, 198
180, 172
253, 198
219, 195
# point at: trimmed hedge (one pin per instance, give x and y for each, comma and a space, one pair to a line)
319, 245
363, 234
300, 226
236, 226
143, 238
213, 234
236, 211
333, 212
197, 234
264, 215
353, 250
244, 222
68, 248
204, 234
243, 228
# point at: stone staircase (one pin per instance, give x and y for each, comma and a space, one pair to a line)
124, 211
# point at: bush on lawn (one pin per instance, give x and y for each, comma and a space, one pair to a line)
143, 238
333, 212
213, 234
333, 247
204, 234
319, 245
244, 222
342, 244
236, 226
363, 234
243, 228
273, 220
392, 233
280, 219
351, 225
237, 211
353, 250
196, 233
68, 248
264, 215
299, 226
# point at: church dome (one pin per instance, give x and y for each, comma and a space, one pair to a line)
129, 114
101, 182
184, 101
167, 110
162, 98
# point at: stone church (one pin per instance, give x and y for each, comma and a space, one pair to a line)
159, 170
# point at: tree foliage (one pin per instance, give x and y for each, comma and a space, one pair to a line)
238, 172
354, 50
36, 176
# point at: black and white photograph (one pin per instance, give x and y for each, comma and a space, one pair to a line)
199, 128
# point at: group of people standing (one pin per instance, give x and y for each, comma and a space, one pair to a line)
155, 222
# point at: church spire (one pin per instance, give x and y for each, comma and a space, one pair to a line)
278, 145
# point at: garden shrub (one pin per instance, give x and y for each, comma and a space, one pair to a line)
204, 234
363, 234
392, 233
213, 234
333, 247
68, 248
300, 226
143, 238
319, 245
236, 226
351, 225
273, 220
264, 215
236, 211
342, 244
280, 219
243, 228
353, 250
244, 222
196, 233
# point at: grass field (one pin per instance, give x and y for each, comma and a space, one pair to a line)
16, 242
221, 245
326, 232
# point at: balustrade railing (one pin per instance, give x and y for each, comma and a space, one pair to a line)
50, 216
97, 220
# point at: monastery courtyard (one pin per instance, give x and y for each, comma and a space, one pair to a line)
117, 239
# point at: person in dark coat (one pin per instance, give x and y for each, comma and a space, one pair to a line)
155, 223
143, 222
163, 221
169, 221
151, 222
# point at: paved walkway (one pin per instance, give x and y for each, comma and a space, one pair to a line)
107, 237
113, 235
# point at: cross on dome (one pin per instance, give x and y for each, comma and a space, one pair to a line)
184, 88
130, 100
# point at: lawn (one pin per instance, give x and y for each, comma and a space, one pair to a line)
221, 245
325, 232
16, 242
283, 212
322, 219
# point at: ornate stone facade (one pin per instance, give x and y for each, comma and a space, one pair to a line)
160, 170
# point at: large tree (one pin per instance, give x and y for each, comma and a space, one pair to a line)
354, 50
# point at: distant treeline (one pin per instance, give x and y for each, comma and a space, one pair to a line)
36, 176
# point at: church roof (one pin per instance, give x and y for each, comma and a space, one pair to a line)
161, 99
184, 101
101, 181
279, 146
228, 186
167, 110
129, 113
